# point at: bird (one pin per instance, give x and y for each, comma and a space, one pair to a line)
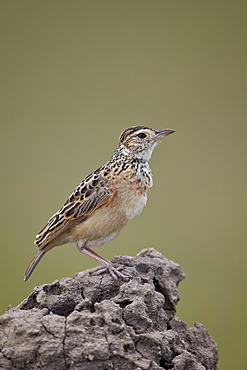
105, 201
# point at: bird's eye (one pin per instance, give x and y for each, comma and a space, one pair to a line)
142, 135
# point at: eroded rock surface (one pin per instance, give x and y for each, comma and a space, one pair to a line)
97, 323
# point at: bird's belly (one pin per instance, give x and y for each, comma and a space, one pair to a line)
102, 226
101, 241
107, 221
134, 205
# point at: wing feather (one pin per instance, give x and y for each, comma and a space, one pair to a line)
91, 194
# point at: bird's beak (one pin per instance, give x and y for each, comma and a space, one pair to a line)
162, 133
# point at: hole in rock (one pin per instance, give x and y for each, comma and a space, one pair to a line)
125, 303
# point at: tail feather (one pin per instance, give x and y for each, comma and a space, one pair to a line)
34, 263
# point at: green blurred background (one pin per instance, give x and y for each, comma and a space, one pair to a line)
74, 75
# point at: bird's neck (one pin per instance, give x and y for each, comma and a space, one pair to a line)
125, 156
139, 166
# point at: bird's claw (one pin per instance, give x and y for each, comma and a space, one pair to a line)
114, 271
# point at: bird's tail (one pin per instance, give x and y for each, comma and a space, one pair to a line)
34, 263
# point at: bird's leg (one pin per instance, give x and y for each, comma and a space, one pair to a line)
115, 273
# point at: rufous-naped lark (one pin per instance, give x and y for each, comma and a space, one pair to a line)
105, 201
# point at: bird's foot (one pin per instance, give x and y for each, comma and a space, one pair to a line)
107, 265
114, 271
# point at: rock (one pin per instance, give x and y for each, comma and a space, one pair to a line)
97, 323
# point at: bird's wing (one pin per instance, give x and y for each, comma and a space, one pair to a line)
86, 198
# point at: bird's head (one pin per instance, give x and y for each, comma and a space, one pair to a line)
140, 141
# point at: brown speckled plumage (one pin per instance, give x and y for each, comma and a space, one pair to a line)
105, 201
